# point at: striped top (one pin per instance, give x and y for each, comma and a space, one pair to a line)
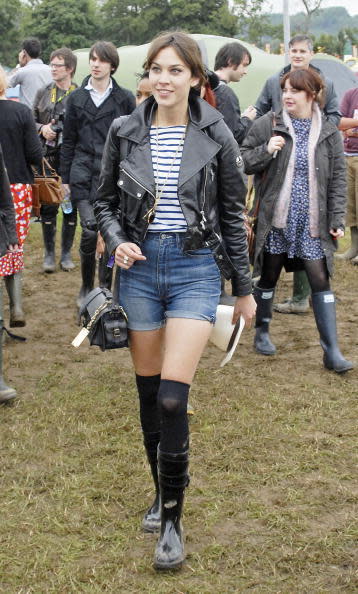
168, 215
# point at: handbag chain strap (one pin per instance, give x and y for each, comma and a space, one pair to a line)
98, 312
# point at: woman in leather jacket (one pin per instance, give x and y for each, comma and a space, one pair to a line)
300, 185
170, 207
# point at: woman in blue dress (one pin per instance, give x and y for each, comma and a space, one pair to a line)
300, 184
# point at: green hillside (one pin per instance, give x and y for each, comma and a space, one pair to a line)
327, 21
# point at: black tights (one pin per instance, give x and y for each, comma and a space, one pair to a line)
316, 271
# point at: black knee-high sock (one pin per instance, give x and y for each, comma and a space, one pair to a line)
148, 387
172, 403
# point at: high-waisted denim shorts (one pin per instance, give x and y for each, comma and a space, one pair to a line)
169, 284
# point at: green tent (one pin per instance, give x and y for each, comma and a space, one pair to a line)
248, 89
132, 57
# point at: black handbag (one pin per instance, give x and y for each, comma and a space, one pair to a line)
104, 322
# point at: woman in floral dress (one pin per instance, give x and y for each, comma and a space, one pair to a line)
21, 148
300, 184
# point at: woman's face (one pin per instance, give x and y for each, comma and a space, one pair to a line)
296, 103
144, 90
171, 80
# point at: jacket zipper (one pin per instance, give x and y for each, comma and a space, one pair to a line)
144, 188
202, 212
137, 182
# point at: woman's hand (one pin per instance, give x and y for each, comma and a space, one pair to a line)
337, 233
100, 247
276, 143
245, 307
13, 247
126, 254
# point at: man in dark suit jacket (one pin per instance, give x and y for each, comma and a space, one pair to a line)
89, 114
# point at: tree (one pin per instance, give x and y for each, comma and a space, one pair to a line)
311, 7
10, 16
69, 23
253, 25
138, 23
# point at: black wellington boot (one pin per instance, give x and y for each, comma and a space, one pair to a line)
104, 272
151, 520
49, 233
13, 284
173, 478
6, 393
324, 309
88, 269
262, 341
67, 237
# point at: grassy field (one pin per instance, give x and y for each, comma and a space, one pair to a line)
272, 504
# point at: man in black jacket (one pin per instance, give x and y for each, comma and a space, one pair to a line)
231, 63
89, 114
300, 54
49, 113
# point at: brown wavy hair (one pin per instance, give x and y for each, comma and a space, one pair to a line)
307, 80
186, 48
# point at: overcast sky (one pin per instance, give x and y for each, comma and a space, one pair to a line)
297, 6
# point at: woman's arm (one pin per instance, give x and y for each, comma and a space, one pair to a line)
254, 149
7, 211
337, 186
347, 123
32, 144
231, 203
107, 204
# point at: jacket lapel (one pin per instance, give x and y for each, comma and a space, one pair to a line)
198, 150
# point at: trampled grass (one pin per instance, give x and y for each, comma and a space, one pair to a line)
272, 504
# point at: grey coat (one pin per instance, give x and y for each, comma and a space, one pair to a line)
7, 212
270, 172
271, 96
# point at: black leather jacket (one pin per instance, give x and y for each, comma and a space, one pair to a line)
211, 189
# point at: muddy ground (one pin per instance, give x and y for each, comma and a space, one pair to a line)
273, 497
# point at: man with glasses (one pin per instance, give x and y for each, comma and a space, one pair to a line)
31, 73
49, 113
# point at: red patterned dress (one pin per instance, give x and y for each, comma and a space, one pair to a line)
13, 262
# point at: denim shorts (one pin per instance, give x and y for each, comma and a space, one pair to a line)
169, 284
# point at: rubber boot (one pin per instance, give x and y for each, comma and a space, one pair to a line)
299, 303
151, 520
352, 252
225, 299
49, 233
104, 272
173, 478
67, 237
262, 341
324, 309
88, 269
13, 285
6, 393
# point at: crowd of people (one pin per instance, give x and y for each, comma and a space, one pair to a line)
159, 181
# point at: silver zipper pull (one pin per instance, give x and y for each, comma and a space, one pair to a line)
203, 219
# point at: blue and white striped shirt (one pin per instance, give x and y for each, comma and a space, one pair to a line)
168, 215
